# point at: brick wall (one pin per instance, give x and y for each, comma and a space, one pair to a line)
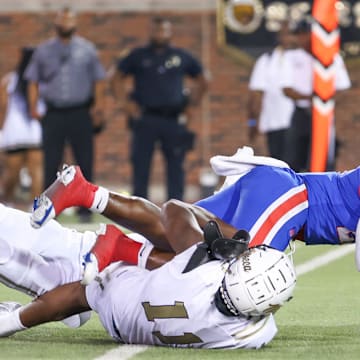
221, 121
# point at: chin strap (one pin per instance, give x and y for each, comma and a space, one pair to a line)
224, 303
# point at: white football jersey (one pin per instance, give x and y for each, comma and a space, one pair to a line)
166, 307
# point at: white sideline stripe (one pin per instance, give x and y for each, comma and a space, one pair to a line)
126, 352
324, 259
123, 352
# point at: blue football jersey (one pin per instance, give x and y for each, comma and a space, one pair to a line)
334, 206
275, 204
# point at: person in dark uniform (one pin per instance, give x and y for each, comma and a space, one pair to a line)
157, 105
66, 72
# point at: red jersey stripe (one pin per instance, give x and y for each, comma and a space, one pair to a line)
276, 215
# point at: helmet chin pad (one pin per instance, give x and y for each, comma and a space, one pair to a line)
222, 248
216, 247
227, 249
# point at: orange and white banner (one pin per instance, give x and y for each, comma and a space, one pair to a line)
325, 43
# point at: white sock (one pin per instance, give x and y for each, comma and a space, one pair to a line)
144, 253
357, 246
101, 199
10, 323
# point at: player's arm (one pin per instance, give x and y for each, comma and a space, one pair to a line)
138, 215
183, 224
54, 305
203, 216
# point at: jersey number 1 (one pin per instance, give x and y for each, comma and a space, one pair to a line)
176, 311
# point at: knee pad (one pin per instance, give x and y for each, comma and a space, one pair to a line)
77, 320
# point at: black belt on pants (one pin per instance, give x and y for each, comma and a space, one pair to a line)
162, 112
52, 107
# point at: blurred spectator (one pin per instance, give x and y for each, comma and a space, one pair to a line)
66, 72
297, 83
159, 107
21, 134
269, 110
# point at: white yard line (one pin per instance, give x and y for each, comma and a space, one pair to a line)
126, 352
324, 259
122, 352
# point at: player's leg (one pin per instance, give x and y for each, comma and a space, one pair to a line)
29, 272
54, 305
112, 245
71, 189
23, 269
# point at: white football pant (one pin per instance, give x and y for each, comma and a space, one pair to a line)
37, 260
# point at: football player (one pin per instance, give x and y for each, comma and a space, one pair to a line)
261, 195
217, 296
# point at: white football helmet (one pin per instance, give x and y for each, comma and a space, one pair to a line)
260, 281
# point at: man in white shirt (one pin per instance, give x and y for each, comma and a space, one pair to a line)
269, 110
297, 83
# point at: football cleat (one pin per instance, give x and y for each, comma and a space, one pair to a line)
69, 189
43, 211
101, 254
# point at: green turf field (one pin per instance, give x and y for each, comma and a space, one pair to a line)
321, 322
